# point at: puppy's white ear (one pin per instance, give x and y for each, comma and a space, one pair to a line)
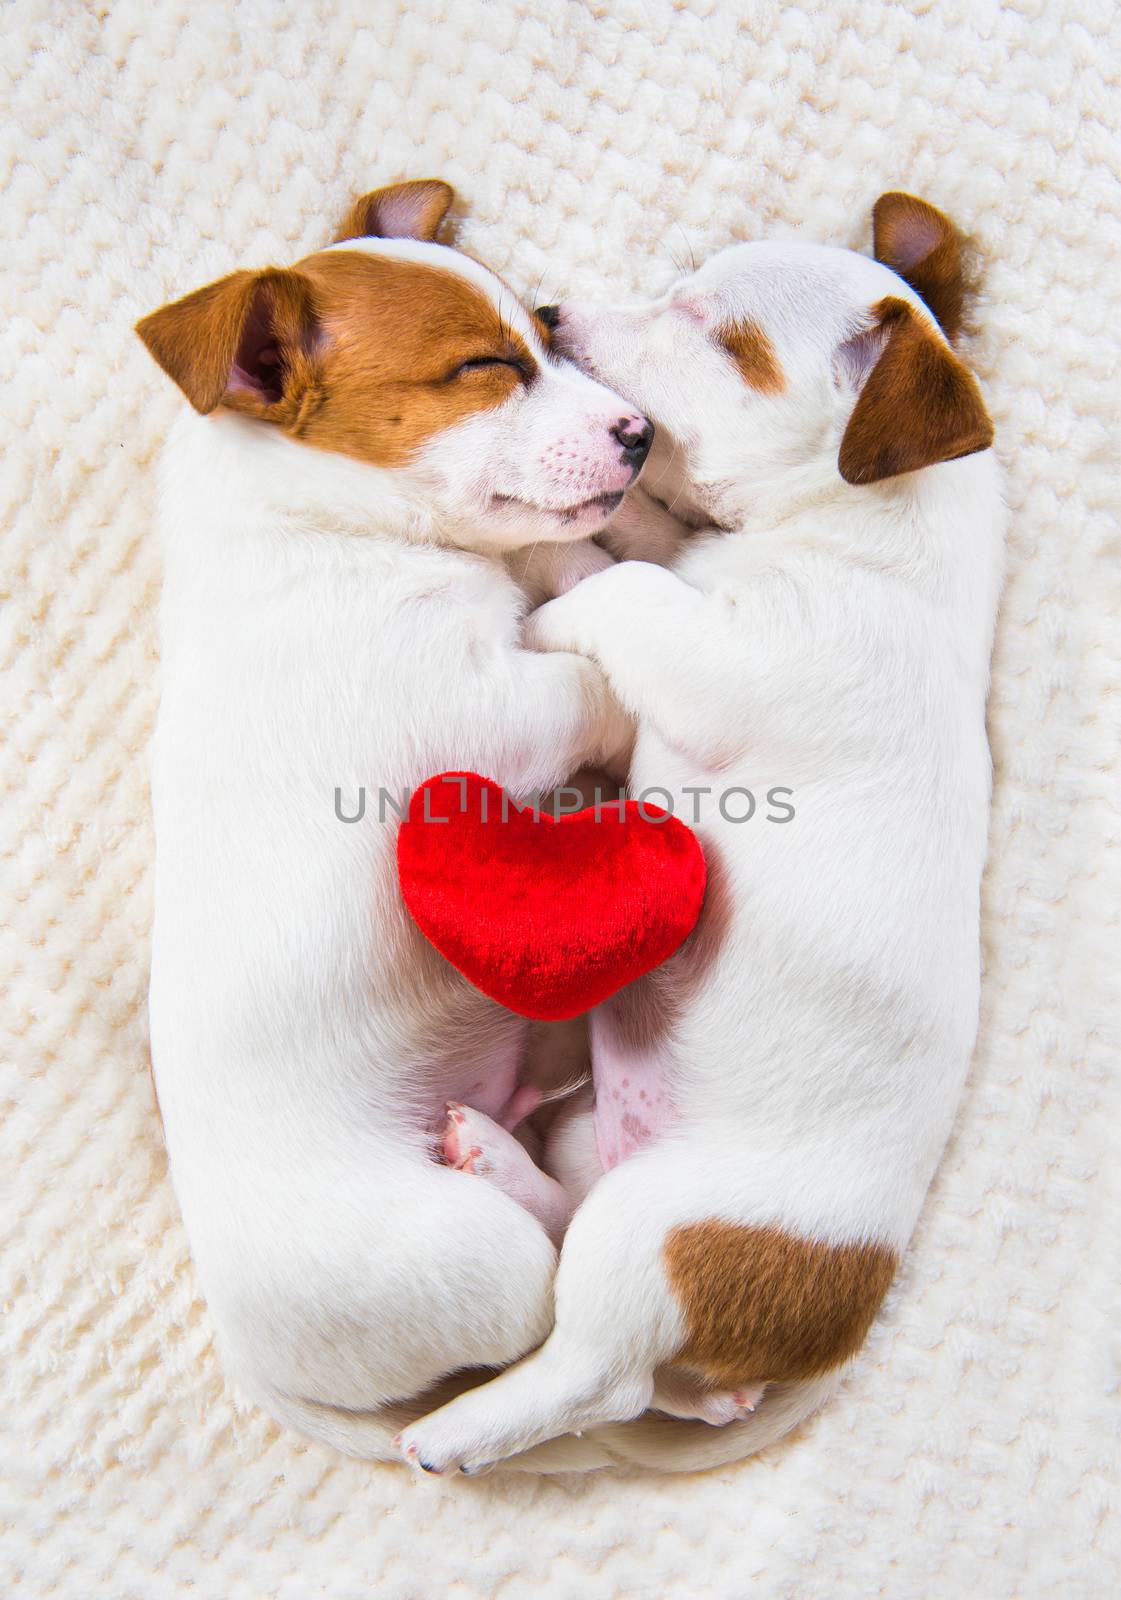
918, 404
244, 342
921, 244
401, 211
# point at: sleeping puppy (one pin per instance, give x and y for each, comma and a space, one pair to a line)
770, 1106
375, 432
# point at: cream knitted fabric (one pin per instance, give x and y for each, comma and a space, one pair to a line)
150, 145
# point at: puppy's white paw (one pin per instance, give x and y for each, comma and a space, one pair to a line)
720, 1409
554, 626
542, 1397
432, 1447
679, 1396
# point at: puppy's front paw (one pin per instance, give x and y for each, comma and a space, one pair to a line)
554, 626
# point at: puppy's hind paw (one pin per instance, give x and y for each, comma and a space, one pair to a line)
679, 1397
720, 1409
474, 1143
461, 1144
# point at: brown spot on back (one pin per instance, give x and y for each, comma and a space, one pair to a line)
348, 351
761, 1305
919, 242
754, 355
919, 405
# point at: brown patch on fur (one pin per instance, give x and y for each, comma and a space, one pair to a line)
396, 334
920, 404
754, 354
919, 242
763, 1306
400, 211
347, 351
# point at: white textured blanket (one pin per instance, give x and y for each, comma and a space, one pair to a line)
149, 145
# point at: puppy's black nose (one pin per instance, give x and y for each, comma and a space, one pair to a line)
549, 315
636, 435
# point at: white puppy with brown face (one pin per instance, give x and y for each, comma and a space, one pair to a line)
772, 1103
375, 430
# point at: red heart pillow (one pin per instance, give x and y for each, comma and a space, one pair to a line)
547, 916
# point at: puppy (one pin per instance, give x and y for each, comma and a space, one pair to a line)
770, 1106
375, 432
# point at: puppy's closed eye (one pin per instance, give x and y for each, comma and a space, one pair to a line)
489, 364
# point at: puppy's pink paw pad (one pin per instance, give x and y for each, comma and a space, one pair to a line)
465, 1140
451, 1140
472, 1161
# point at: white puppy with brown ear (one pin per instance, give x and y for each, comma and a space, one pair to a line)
374, 431
772, 1103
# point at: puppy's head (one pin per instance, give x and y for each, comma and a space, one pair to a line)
788, 363
413, 359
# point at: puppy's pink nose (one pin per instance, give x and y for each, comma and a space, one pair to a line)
636, 434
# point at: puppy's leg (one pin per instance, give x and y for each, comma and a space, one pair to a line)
564, 1387
679, 1395
616, 1322
343, 1294
474, 1143
556, 714
661, 644
656, 1273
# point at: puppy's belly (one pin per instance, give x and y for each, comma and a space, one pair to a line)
486, 1086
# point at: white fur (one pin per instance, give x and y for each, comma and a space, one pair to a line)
330, 624
972, 1454
834, 640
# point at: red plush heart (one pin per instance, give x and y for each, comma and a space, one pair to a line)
547, 916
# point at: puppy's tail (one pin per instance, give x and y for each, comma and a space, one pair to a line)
668, 1444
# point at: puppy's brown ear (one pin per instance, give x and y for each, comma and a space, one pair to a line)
922, 245
244, 342
918, 403
401, 211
